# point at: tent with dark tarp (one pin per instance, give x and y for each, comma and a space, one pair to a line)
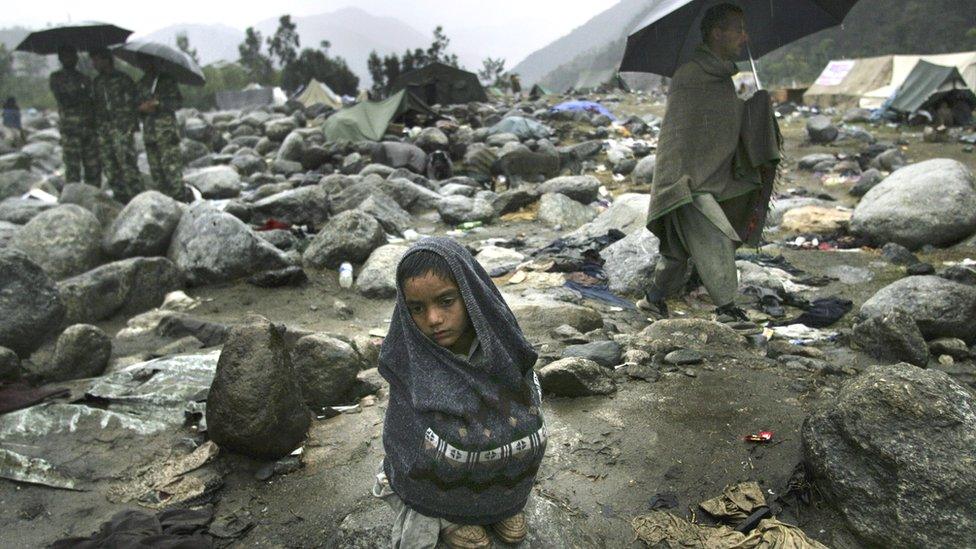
442, 84
369, 120
929, 84
317, 93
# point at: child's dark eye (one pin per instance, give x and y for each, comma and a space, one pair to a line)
447, 301
415, 310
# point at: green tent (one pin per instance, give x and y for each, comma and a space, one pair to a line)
924, 83
369, 120
442, 84
538, 91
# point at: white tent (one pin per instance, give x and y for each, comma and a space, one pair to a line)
318, 93
902, 66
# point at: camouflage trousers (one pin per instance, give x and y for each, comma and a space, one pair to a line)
79, 147
119, 163
162, 139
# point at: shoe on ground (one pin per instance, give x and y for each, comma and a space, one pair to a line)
465, 536
656, 308
511, 530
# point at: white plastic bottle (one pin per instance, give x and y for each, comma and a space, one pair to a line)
345, 275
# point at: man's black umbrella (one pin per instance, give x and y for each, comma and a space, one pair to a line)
83, 36
171, 61
670, 31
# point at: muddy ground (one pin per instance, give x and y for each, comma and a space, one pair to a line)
608, 457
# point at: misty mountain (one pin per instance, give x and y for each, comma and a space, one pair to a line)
212, 42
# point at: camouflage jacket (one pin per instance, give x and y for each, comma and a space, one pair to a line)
73, 92
116, 100
166, 91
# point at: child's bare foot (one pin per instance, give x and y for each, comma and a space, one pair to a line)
511, 530
465, 536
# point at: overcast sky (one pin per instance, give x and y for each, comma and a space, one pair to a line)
532, 23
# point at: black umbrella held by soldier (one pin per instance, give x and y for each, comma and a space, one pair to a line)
82, 36
153, 56
669, 33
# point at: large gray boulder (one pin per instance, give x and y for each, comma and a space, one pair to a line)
892, 337
22, 210
93, 199
581, 188
940, 307
203, 231
255, 404
350, 236
393, 218
82, 351
64, 241
643, 173
17, 182
326, 369
821, 130
215, 182
302, 206
688, 333
409, 195
559, 210
627, 214
432, 139
932, 202
894, 452
377, 278
494, 258
576, 377
7, 233
457, 209
539, 314
401, 155
630, 262
144, 227
125, 287
780, 207
604, 353
31, 309
292, 149
277, 130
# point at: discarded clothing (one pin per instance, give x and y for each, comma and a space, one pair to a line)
662, 529
798, 334
173, 529
823, 312
600, 293
571, 253
737, 501
21, 395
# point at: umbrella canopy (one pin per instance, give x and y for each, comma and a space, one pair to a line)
83, 36
670, 31
146, 55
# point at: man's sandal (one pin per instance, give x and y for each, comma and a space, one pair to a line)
466, 536
511, 530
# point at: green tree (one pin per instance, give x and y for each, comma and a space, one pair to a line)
258, 65
183, 43
317, 64
492, 71
285, 42
374, 64
437, 51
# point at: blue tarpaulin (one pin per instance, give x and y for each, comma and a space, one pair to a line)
588, 106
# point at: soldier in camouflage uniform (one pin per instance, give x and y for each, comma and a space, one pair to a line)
79, 143
160, 98
115, 111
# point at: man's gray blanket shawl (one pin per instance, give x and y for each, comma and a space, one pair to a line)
463, 441
704, 147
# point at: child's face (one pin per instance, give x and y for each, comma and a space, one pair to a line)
436, 307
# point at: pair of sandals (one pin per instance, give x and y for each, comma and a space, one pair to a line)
471, 536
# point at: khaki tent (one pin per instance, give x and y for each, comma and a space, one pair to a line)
870, 81
317, 93
369, 120
442, 84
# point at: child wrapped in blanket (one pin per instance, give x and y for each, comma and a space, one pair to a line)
464, 433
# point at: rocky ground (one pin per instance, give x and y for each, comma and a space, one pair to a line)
866, 450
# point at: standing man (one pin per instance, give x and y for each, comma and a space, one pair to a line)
160, 98
115, 111
715, 168
76, 107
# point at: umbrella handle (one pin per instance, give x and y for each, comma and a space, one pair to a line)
752, 63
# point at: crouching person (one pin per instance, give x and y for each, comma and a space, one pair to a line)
464, 433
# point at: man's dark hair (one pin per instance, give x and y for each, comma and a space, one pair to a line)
100, 53
65, 50
716, 16
421, 263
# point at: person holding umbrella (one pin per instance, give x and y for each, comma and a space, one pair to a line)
118, 120
707, 189
160, 98
79, 144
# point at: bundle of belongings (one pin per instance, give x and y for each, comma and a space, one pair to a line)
740, 504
